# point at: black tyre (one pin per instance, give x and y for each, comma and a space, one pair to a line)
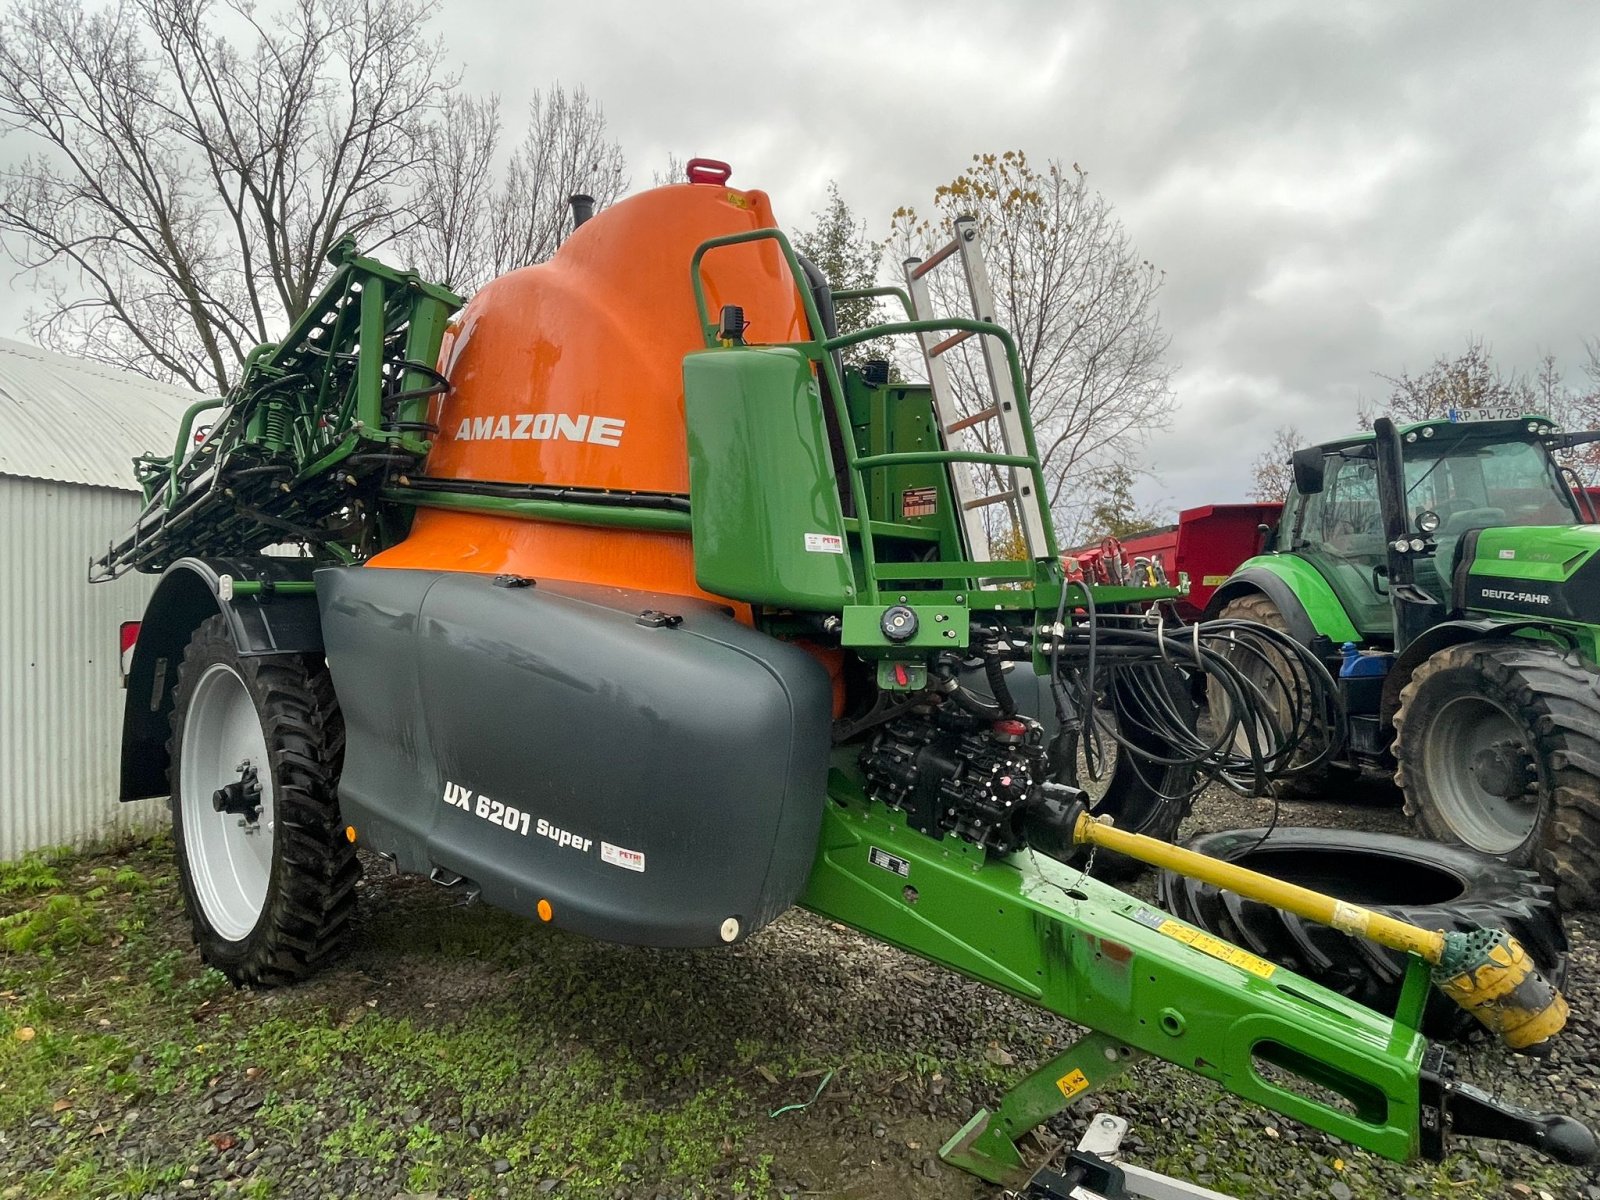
1141, 796
1498, 747
267, 874
1430, 885
1308, 783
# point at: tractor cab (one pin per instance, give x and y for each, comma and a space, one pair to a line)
1452, 479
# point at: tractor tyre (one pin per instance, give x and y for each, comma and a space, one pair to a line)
267, 873
1140, 796
1430, 885
1303, 784
1498, 746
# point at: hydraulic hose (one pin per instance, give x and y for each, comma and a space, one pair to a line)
1278, 713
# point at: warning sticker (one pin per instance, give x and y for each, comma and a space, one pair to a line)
1217, 948
882, 858
1213, 580
618, 856
919, 502
824, 543
1073, 1082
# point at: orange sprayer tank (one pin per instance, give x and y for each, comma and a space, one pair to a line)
569, 374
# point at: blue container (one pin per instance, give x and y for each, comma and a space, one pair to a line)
1361, 679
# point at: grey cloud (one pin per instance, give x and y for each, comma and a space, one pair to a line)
1331, 189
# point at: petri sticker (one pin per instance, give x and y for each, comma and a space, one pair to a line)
620, 856
824, 543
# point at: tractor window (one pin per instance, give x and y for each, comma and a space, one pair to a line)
1472, 486
1475, 485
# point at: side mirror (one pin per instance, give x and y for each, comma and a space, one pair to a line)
1308, 471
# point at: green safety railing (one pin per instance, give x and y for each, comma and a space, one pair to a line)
820, 351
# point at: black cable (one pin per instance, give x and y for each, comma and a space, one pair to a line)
1278, 700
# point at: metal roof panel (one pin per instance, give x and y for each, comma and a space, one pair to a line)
72, 421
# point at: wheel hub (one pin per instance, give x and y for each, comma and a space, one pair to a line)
1504, 769
242, 797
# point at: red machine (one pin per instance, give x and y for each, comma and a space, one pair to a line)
1205, 546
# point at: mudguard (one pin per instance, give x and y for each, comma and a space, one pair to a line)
186, 596
630, 766
1303, 596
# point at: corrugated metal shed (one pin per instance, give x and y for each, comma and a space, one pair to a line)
68, 431
71, 421
60, 689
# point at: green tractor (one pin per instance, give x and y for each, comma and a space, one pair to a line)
1447, 572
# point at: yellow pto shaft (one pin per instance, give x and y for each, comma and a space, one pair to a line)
1487, 972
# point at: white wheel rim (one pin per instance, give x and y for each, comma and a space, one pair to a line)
229, 856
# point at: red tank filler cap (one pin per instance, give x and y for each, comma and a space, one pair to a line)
709, 170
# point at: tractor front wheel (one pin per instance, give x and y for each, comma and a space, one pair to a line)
267, 874
1498, 748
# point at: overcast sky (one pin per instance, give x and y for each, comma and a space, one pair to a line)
1332, 189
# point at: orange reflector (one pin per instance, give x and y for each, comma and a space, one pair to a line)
545, 911
349, 833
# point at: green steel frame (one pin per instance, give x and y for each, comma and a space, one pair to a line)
1143, 984
341, 400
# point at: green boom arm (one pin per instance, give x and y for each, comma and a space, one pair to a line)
1143, 982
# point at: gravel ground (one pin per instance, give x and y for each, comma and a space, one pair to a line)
459, 1052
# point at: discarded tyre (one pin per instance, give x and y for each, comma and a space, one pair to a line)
1428, 884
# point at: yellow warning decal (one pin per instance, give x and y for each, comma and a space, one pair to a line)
1213, 580
1217, 948
1073, 1082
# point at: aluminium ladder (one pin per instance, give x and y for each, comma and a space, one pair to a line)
1017, 490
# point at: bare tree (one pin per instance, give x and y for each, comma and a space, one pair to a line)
1469, 386
189, 185
1271, 469
1081, 302
564, 150
470, 227
1473, 386
677, 171
197, 159
449, 242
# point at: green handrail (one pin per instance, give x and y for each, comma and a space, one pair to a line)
185, 441
820, 351
899, 294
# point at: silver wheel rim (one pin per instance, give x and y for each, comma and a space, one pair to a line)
1462, 728
229, 856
